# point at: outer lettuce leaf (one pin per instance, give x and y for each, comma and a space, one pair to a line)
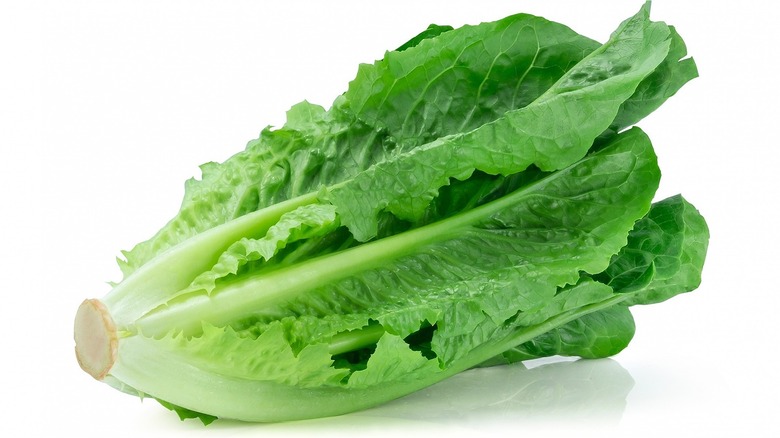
595, 335
670, 244
464, 78
185, 413
486, 331
663, 83
267, 357
664, 257
552, 132
393, 361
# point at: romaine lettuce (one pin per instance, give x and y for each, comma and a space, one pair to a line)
473, 198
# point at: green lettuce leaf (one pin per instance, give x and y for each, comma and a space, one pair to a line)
665, 254
659, 86
664, 257
595, 335
552, 132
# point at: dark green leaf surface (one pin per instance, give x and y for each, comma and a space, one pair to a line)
595, 335
663, 83
433, 30
671, 242
554, 131
664, 257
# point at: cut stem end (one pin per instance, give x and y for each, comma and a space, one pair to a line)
96, 338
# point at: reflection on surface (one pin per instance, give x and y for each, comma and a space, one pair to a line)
582, 388
539, 391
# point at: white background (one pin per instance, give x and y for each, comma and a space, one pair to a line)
107, 107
